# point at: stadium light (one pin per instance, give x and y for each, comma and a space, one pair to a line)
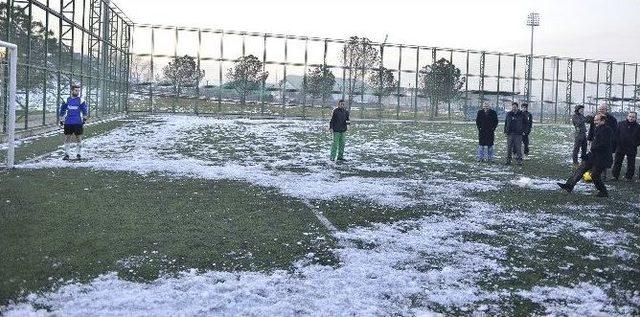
533, 20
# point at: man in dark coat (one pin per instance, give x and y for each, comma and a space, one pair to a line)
514, 125
338, 125
580, 134
486, 122
527, 128
610, 121
597, 160
627, 138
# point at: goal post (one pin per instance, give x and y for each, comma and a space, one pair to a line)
12, 51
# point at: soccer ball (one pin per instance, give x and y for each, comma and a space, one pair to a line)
587, 176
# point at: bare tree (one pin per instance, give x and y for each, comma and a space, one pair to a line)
182, 72
382, 82
358, 56
319, 83
246, 75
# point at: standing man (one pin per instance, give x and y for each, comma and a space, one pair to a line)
627, 136
73, 114
486, 122
338, 125
580, 134
610, 121
514, 125
597, 160
527, 128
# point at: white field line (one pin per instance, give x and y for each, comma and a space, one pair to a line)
325, 222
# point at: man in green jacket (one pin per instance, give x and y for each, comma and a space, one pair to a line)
338, 125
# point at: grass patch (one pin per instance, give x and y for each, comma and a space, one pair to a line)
76, 224
39, 146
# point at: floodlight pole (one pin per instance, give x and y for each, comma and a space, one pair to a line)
533, 20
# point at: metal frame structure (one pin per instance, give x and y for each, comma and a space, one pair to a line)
406, 102
63, 42
93, 42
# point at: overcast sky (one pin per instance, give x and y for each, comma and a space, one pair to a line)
599, 29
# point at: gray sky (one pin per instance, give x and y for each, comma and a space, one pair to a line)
596, 29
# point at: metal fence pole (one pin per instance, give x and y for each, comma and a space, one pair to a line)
199, 67
498, 81
417, 82
220, 63
597, 84
399, 83
568, 100
544, 62
624, 74
263, 83
153, 80
304, 78
555, 115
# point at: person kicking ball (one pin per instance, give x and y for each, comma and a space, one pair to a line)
73, 115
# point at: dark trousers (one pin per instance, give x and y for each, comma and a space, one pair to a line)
514, 143
631, 163
579, 145
525, 142
595, 175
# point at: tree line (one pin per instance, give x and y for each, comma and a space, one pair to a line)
440, 81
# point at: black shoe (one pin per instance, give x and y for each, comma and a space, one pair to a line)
340, 159
65, 157
78, 157
602, 194
566, 187
507, 163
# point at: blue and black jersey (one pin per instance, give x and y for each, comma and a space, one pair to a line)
74, 110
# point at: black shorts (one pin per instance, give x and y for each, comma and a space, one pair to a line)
75, 129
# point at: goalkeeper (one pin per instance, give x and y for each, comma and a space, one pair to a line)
73, 114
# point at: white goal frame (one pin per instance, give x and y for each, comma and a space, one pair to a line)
12, 50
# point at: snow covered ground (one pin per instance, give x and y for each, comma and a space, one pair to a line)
464, 255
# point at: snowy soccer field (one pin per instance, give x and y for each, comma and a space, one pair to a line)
182, 215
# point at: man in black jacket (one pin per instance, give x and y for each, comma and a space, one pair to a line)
338, 125
610, 121
627, 138
514, 125
580, 134
486, 122
527, 127
597, 160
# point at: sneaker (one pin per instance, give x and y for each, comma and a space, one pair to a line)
340, 159
566, 187
519, 163
65, 157
602, 194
